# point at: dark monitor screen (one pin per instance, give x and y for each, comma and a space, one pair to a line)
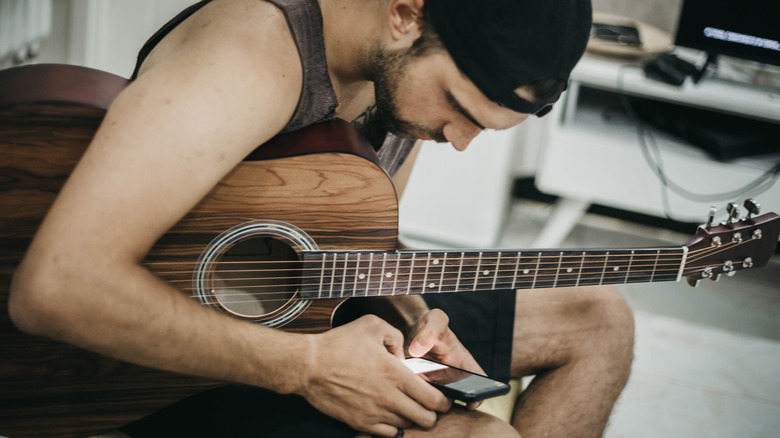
748, 29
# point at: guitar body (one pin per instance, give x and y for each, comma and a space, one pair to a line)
320, 187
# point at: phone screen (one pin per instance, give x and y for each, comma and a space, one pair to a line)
456, 383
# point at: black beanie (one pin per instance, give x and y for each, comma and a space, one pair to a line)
504, 44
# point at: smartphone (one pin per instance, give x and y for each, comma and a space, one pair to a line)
626, 35
456, 383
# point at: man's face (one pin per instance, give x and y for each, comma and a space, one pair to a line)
428, 97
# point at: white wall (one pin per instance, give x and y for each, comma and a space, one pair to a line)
103, 34
107, 34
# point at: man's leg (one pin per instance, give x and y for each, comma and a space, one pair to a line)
579, 344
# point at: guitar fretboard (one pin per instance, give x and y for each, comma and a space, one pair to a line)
343, 274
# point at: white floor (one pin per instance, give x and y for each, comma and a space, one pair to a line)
707, 359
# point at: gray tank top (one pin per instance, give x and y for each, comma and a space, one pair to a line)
317, 102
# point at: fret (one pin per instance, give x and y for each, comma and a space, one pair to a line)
369, 273
681, 264
547, 270
495, 272
417, 278
536, 269
468, 275
402, 272
356, 275
460, 271
487, 272
668, 270
435, 270
593, 265
517, 267
382, 275
642, 266
477, 272
579, 271
389, 274
506, 266
395, 274
343, 275
441, 276
332, 276
570, 262
526, 268
617, 267
628, 269
322, 275
604, 269
655, 265
425, 277
558, 269
411, 274
450, 274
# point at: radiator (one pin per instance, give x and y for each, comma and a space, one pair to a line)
23, 25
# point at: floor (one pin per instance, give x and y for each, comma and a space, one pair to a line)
706, 358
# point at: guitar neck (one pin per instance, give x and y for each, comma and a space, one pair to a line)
345, 274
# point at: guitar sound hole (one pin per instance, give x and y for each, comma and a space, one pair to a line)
256, 277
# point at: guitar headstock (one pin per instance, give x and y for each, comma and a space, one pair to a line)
733, 245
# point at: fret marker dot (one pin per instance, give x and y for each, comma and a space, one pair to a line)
486, 272
525, 271
432, 285
436, 262
362, 276
389, 274
616, 268
569, 270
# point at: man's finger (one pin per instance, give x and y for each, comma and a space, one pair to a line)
429, 331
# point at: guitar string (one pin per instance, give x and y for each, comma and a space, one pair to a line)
374, 293
319, 265
569, 254
510, 261
472, 275
657, 274
658, 271
466, 269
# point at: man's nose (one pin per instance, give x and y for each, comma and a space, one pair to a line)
460, 137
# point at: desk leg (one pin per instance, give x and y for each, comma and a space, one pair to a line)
566, 213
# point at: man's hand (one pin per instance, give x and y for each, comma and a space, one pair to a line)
431, 337
356, 376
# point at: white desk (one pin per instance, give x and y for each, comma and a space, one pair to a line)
586, 160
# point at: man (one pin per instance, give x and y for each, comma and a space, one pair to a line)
231, 74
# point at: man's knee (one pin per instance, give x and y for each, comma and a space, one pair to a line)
614, 337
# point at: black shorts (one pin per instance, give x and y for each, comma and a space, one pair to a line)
483, 321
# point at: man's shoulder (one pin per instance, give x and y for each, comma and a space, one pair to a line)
240, 22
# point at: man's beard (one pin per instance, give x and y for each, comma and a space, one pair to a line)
388, 68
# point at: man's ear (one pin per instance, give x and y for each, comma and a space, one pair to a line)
405, 21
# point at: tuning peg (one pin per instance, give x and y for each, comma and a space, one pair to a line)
710, 218
733, 209
752, 207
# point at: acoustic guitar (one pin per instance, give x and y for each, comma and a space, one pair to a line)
304, 223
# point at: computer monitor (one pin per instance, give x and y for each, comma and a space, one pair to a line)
747, 29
